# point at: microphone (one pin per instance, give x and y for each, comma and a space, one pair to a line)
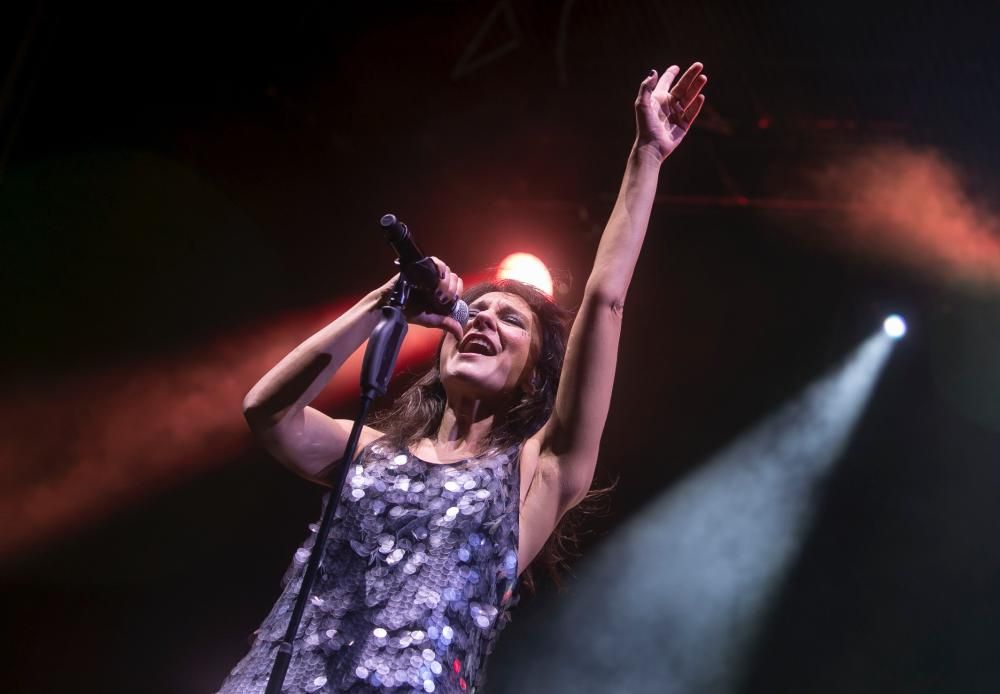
418, 268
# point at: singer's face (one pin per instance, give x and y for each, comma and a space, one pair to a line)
496, 354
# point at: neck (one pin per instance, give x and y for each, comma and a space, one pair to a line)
464, 427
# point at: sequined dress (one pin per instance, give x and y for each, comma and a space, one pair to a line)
417, 581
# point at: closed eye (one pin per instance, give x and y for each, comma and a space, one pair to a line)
509, 316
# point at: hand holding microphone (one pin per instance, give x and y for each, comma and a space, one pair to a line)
441, 308
436, 303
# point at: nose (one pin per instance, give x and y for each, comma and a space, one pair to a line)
484, 318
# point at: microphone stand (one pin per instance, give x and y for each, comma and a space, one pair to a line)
380, 359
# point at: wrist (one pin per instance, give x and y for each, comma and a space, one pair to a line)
648, 154
377, 298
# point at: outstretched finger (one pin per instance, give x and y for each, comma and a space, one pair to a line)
663, 85
687, 79
685, 99
687, 118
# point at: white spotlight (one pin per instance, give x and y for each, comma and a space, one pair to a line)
894, 326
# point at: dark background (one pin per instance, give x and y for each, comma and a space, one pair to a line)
176, 171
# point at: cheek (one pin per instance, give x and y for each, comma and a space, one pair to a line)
446, 350
526, 351
449, 343
534, 346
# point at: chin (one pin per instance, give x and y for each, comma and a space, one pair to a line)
461, 382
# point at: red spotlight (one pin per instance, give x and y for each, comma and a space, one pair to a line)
526, 268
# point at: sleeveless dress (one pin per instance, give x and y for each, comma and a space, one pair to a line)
418, 577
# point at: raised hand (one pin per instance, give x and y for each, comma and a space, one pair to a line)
664, 111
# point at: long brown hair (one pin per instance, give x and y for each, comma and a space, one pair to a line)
416, 414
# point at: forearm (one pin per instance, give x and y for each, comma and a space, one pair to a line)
298, 378
623, 236
574, 432
664, 114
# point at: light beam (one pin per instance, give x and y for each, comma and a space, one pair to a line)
673, 601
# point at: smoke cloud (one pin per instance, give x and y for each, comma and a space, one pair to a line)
912, 206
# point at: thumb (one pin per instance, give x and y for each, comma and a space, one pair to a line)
647, 85
453, 327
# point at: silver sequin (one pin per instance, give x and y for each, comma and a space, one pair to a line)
416, 575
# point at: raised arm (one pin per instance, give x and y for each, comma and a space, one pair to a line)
569, 442
277, 407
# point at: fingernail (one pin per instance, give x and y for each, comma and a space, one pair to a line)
651, 73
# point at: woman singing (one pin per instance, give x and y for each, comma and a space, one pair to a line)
461, 483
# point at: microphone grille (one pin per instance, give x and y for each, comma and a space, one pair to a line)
460, 312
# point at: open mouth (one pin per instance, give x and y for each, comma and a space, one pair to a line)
477, 344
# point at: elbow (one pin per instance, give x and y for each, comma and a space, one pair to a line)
602, 296
254, 417
249, 402
258, 417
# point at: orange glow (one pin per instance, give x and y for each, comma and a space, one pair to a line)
528, 269
76, 452
910, 206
